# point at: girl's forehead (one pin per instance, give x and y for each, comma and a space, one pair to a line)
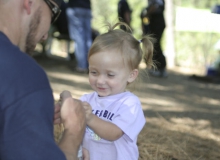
110, 58
108, 52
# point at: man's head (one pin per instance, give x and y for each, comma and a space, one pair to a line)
39, 25
28, 22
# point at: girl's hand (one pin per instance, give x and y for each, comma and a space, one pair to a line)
88, 110
85, 154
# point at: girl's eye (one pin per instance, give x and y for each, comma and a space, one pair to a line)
93, 72
111, 75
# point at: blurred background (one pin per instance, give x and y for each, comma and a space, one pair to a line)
189, 40
190, 26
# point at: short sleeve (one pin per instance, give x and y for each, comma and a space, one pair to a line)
130, 118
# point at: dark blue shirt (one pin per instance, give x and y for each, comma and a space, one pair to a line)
26, 108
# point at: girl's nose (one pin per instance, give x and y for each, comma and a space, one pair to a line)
101, 79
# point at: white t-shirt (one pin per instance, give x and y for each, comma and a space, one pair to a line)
125, 111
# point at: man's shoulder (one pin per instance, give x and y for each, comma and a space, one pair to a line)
5, 44
17, 64
14, 61
19, 71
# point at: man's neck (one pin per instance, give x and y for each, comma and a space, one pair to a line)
10, 24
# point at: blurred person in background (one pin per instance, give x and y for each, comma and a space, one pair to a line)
79, 23
124, 13
154, 23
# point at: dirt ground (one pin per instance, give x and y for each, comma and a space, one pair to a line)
183, 115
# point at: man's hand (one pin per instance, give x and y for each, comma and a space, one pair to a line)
72, 112
57, 118
72, 115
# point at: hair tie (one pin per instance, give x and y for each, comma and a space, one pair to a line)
140, 40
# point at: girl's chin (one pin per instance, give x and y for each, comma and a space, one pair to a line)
102, 94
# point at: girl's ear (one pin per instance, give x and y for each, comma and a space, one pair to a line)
133, 75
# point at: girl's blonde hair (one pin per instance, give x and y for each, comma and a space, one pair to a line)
126, 44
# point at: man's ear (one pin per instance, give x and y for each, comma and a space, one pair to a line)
133, 75
27, 6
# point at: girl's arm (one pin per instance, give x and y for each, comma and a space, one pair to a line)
102, 128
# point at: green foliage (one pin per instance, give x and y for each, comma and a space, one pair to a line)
103, 11
201, 4
196, 49
137, 6
106, 11
193, 49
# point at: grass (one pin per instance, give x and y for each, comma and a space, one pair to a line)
165, 141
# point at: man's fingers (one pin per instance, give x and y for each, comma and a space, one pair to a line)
56, 109
57, 121
85, 105
64, 95
56, 115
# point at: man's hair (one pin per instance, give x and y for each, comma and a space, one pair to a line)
125, 44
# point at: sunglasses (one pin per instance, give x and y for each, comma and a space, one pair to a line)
55, 10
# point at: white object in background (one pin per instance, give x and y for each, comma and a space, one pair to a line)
217, 45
